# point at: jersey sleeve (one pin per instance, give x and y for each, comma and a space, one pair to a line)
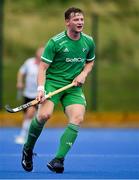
91, 53
49, 52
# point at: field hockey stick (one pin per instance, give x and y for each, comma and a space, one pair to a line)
35, 101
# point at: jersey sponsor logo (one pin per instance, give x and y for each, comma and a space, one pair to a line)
74, 60
66, 50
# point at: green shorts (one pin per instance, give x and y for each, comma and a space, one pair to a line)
73, 95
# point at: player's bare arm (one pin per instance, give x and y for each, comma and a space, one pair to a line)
80, 79
41, 80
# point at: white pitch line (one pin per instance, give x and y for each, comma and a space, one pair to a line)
80, 155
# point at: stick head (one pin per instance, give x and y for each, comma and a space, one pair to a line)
9, 109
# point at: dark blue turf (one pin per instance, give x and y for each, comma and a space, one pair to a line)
97, 154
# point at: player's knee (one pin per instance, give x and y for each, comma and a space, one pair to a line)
44, 116
77, 119
30, 115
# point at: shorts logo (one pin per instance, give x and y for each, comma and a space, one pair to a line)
82, 95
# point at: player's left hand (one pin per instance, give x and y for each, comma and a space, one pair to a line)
80, 79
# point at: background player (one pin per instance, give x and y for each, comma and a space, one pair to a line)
27, 82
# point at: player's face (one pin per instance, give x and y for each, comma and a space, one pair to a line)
75, 23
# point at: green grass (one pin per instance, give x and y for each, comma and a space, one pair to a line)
118, 88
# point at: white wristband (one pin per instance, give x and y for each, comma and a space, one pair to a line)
40, 88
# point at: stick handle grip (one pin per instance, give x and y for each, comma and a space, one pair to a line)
34, 102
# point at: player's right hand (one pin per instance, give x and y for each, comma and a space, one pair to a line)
40, 96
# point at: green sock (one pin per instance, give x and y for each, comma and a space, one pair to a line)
67, 140
34, 132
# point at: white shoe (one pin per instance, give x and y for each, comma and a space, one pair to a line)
19, 140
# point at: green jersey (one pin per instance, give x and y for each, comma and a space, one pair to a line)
67, 57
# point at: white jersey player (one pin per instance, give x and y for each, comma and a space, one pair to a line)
27, 83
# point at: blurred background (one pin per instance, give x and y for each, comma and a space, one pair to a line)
112, 89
